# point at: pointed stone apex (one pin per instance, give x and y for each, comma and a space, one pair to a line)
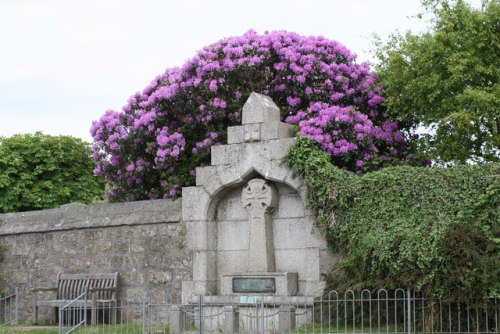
260, 109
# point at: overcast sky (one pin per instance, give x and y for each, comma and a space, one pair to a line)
63, 63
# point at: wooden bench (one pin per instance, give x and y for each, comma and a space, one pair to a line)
102, 291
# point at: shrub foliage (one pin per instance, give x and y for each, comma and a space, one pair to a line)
151, 148
40, 171
433, 229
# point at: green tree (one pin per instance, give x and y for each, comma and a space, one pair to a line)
447, 80
40, 171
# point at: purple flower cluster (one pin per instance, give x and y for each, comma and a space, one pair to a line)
343, 132
151, 147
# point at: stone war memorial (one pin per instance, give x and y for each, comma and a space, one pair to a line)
240, 235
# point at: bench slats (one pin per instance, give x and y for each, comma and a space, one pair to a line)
102, 287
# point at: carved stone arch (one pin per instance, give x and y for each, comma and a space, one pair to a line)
254, 150
220, 179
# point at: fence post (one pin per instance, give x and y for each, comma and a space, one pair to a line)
231, 320
16, 314
176, 319
3, 304
200, 310
262, 316
144, 316
85, 299
61, 318
408, 298
286, 318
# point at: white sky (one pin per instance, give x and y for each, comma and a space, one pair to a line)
64, 62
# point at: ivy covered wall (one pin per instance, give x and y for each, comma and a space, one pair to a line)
430, 229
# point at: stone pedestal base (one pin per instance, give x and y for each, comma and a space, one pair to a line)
279, 284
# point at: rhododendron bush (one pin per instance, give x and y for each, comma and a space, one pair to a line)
150, 149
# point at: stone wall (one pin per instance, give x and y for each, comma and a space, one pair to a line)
143, 241
245, 216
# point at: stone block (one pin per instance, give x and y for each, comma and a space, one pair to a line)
191, 290
159, 277
253, 150
290, 206
204, 265
277, 172
159, 245
280, 148
11, 263
235, 134
116, 262
148, 231
286, 318
175, 319
260, 109
200, 235
232, 235
275, 130
251, 164
225, 154
194, 203
231, 262
218, 155
129, 277
303, 261
21, 249
229, 175
327, 259
312, 288
138, 245
19, 277
212, 184
294, 182
231, 320
101, 261
120, 246
137, 294
136, 262
203, 173
157, 295
105, 246
291, 234
231, 207
252, 132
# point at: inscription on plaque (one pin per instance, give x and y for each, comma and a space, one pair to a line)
254, 285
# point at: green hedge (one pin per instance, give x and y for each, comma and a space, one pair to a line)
431, 229
40, 171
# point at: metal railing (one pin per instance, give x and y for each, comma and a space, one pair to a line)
73, 314
399, 311
9, 308
382, 311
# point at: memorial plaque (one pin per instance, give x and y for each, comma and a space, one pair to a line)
254, 285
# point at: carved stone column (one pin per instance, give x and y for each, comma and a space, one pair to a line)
260, 198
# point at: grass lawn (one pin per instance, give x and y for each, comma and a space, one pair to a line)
103, 329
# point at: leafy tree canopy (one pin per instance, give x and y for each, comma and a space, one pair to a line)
151, 148
41, 171
447, 79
